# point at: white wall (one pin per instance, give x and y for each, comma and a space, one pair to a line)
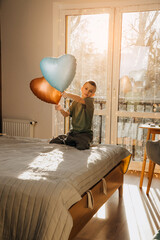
27, 37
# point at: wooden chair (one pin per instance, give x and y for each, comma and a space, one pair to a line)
153, 153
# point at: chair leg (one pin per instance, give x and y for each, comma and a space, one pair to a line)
149, 168
151, 171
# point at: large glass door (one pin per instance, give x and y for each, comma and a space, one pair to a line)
136, 85
89, 38
119, 48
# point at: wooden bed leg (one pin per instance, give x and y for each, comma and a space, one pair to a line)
120, 189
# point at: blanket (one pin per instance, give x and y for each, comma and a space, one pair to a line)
39, 182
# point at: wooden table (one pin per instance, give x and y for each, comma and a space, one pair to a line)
151, 131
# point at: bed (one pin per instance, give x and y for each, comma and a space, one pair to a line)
50, 191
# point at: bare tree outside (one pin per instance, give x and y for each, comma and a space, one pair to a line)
139, 77
88, 42
140, 56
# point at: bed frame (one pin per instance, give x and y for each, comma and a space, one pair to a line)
80, 212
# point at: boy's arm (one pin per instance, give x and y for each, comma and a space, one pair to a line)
74, 97
62, 111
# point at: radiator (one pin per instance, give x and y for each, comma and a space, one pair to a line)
18, 127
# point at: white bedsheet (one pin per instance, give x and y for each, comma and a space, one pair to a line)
39, 182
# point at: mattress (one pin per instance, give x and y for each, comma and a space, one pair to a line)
39, 182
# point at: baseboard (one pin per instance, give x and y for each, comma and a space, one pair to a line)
137, 166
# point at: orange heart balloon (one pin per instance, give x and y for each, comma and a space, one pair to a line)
44, 91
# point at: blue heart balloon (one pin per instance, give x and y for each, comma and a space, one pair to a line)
59, 72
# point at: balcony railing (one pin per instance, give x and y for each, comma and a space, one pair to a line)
129, 134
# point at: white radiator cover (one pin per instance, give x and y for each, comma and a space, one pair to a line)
18, 127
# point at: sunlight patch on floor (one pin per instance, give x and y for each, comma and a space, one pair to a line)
141, 217
101, 212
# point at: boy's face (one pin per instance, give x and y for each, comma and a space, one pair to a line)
88, 90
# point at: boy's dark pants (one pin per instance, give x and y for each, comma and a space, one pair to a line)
80, 140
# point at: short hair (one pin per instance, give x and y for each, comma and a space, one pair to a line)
93, 83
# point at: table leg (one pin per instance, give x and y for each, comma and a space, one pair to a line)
149, 168
144, 161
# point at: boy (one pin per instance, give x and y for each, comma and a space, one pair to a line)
81, 112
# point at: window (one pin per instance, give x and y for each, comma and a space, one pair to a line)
119, 48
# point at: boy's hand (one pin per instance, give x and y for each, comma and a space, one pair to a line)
58, 107
64, 94
74, 97
65, 113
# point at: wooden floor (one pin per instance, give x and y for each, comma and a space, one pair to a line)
136, 216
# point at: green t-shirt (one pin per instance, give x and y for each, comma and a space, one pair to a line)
82, 115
